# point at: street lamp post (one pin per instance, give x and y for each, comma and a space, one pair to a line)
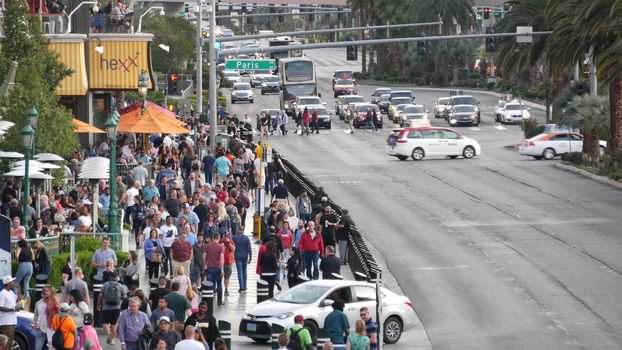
140, 19
111, 130
28, 134
33, 116
143, 86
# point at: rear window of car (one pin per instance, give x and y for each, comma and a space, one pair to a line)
310, 101
380, 92
395, 94
414, 109
444, 100
415, 134
400, 100
363, 108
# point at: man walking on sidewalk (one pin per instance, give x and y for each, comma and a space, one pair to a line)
214, 260
131, 325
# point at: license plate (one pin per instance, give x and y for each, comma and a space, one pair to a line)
251, 327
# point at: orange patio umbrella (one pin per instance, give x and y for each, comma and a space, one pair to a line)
154, 120
85, 128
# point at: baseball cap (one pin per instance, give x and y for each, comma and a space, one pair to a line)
7, 279
64, 307
324, 199
185, 205
164, 318
299, 318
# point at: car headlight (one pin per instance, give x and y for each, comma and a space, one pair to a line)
233, 93
286, 106
285, 315
473, 116
452, 121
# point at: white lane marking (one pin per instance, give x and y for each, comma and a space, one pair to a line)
475, 129
501, 127
435, 268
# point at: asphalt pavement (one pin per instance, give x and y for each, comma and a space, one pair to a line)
498, 252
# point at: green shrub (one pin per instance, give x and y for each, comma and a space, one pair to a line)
616, 175
528, 126
490, 85
475, 76
573, 157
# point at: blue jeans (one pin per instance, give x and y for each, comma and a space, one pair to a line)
209, 178
304, 216
240, 265
310, 257
22, 277
132, 346
214, 275
40, 339
370, 124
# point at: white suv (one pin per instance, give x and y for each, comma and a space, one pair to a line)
241, 92
419, 143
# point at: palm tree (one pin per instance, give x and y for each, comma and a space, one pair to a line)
589, 113
455, 14
599, 22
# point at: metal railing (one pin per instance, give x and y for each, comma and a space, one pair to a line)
360, 258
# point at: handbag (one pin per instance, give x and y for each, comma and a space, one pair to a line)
189, 293
156, 255
291, 212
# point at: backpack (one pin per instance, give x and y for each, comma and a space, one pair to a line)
294, 339
114, 294
58, 339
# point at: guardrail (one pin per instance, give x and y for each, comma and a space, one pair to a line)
360, 259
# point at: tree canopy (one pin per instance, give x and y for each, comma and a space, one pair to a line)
175, 32
38, 75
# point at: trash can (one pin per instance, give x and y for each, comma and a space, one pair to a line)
207, 295
97, 288
262, 291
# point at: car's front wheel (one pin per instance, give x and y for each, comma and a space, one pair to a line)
548, 154
313, 330
468, 152
392, 330
418, 153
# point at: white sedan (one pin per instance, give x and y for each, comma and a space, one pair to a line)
419, 143
313, 300
553, 144
512, 112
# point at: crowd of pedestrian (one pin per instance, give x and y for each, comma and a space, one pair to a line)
186, 207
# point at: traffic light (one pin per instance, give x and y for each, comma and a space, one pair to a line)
490, 42
352, 53
172, 80
422, 46
486, 12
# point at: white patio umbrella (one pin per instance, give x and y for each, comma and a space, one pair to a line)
48, 157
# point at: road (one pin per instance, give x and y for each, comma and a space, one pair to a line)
497, 252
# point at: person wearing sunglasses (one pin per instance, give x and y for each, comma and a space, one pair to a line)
371, 328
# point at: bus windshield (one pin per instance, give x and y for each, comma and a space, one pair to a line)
291, 91
298, 71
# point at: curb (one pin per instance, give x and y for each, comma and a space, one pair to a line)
589, 175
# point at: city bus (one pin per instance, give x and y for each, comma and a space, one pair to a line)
297, 78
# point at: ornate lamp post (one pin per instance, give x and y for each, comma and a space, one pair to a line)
28, 136
143, 85
111, 130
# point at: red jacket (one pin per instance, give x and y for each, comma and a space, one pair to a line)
306, 117
307, 244
262, 249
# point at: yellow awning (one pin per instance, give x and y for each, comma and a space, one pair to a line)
119, 66
71, 51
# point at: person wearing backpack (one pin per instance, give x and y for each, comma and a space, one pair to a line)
109, 303
299, 336
64, 329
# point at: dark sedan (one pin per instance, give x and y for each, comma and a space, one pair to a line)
463, 115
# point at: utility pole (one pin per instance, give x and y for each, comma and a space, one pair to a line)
212, 76
199, 58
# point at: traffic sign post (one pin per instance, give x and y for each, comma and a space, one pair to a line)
249, 64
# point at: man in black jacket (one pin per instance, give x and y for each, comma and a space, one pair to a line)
205, 322
330, 264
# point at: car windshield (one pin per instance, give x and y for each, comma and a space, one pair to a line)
303, 294
414, 109
400, 108
443, 101
400, 100
381, 92
401, 94
466, 100
352, 99
514, 107
271, 79
464, 109
363, 108
385, 97
242, 87
321, 111
262, 71
309, 101
344, 82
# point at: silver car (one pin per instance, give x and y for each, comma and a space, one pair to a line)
241, 92
439, 107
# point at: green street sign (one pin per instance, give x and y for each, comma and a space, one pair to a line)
249, 64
